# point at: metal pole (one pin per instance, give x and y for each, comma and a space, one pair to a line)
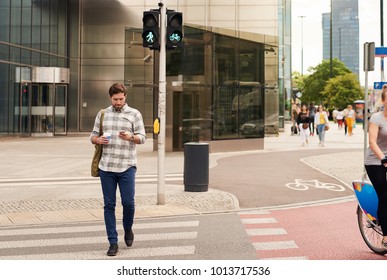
162, 106
330, 44
302, 44
365, 116
369, 58
365, 123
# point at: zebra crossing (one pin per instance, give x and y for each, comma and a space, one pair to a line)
88, 241
269, 240
154, 239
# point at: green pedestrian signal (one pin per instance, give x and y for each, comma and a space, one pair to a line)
151, 30
150, 37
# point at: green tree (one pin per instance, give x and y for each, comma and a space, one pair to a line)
314, 84
342, 90
297, 84
298, 81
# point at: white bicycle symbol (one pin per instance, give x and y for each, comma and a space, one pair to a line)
303, 185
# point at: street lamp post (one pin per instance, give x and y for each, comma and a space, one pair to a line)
302, 44
330, 43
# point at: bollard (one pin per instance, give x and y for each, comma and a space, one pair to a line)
196, 166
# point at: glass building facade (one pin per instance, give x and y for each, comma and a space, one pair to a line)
345, 33
59, 57
215, 84
33, 34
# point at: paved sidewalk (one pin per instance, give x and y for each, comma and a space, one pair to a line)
46, 180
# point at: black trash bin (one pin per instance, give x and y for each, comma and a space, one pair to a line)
196, 166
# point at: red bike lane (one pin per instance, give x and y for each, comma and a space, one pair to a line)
322, 232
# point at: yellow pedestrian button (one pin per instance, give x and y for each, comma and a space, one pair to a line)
156, 126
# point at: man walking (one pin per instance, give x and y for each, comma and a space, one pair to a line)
125, 128
312, 113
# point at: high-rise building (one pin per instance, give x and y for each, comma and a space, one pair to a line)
345, 33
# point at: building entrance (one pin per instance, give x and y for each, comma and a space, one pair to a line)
43, 109
41, 101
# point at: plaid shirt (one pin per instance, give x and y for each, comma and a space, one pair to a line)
120, 154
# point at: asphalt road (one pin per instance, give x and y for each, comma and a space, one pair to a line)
259, 180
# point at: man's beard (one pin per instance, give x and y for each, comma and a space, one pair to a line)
118, 107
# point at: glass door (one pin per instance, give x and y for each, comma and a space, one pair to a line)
42, 104
60, 109
41, 109
48, 109
22, 109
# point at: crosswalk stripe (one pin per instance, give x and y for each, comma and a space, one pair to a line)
166, 225
90, 228
276, 245
259, 221
57, 183
81, 180
93, 240
96, 255
251, 218
265, 231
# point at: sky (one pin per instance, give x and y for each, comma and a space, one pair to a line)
369, 25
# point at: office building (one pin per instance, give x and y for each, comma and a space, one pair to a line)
59, 57
345, 33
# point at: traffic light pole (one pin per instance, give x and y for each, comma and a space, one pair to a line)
162, 106
369, 65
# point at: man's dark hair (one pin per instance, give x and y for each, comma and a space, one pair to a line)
117, 88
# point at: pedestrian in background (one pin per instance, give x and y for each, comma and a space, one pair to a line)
350, 119
321, 121
335, 112
340, 117
376, 163
118, 162
345, 113
303, 125
312, 113
295, 112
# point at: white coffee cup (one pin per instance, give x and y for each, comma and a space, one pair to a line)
108, 136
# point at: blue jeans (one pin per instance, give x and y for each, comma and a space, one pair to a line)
126, 183
321, 132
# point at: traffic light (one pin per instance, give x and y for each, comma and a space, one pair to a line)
25, 88
151, 31
174, 29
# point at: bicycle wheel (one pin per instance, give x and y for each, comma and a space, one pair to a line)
297, 186
334, 187
370, 232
